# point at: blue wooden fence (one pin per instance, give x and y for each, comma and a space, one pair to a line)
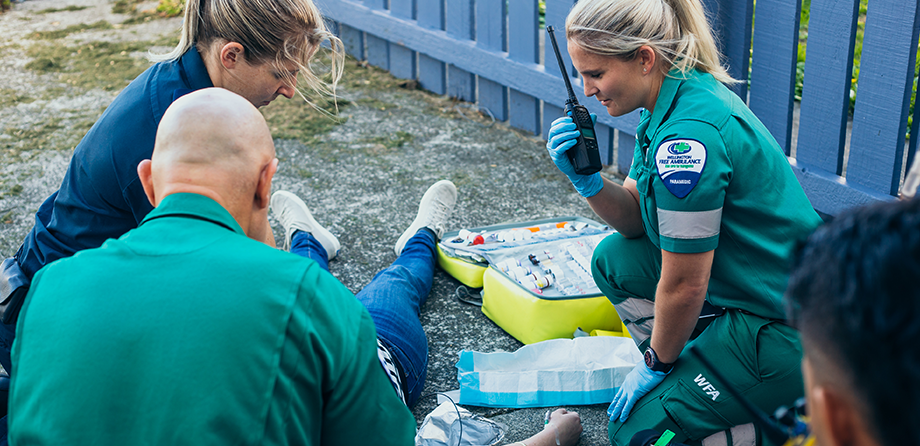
488, 52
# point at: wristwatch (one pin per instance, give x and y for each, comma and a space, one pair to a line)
652, 362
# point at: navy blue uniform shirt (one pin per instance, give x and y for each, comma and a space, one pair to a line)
101, 196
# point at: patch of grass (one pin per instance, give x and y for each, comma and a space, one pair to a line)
393, 140
363, 76
68, 8
9, 97
54, 134
297, 120
139, 18
24, 140
72, 29
126, 6
104, 65
376, 104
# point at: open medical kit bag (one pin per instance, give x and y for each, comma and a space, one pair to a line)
535, 275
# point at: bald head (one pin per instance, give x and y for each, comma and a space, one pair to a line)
213, 128
215, 143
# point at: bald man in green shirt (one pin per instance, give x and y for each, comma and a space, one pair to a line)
186, 331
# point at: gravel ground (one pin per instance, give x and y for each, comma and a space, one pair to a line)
361, 177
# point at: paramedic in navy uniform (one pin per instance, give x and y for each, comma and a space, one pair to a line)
255, 48
707, 218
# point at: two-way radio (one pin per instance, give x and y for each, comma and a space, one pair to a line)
584, 155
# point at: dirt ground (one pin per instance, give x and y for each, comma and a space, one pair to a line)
362, 173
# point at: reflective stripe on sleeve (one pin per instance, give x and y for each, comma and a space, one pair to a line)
689, 225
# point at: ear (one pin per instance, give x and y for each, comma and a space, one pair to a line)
264, 187
841, 420
231, 54
145, 173
647, 58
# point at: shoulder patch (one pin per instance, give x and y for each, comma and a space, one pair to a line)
680, 163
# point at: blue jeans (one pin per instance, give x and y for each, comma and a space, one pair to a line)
393, 299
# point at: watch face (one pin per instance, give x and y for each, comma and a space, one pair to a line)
649, 362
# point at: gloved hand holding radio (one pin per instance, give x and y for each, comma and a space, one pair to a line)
640, 381
562, 137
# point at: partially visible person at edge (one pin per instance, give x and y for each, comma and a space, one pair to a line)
255, 48
261, 346
854, 297
707, 221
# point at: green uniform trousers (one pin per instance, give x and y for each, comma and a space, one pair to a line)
761, 357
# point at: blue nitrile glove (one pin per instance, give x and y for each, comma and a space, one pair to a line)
561, 138
640, 381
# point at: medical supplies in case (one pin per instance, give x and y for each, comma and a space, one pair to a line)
535, 275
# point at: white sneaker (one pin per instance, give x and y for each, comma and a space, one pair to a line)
437, 204
295, 215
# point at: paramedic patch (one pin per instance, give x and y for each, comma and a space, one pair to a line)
680, 163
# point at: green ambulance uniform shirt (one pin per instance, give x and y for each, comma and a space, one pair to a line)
711, 177
186, 332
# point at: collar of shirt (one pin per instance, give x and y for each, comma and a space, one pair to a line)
665, 100
195, 206
194, 73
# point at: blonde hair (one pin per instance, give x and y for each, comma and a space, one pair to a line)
275, 31
677, 30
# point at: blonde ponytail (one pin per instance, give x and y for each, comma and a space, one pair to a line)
270, 31
677, 30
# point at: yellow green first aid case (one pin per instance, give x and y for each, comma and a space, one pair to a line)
535, 276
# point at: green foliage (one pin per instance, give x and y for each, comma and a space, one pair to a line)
541, 6
130, 7
171, 8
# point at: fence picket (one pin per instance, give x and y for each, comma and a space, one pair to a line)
432, 73
378, 51
461, 84
523, 46
491, 35
353, 39
882, 101
731, 22
556, 11
776, 37
402, 60
403, 8
626, 146
826, 90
